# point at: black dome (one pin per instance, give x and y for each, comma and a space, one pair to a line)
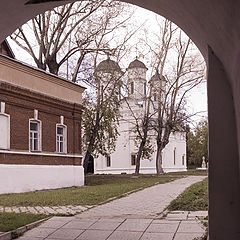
157, 77
108, 65
137, 64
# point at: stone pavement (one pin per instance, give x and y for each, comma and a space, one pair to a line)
175, 226
133, 217
66, 210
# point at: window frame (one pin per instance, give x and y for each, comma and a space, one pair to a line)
39, 134
64, 135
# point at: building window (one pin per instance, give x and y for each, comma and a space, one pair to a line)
183, 159
34, 135
108, 161
174, 156
133, 159
145, 89
4, 128
132, 87
61, 138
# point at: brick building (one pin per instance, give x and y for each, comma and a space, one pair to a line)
40, 128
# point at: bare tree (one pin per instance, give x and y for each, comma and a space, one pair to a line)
64, 36
185, 73
140, 120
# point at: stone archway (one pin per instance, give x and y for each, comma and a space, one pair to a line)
214, 26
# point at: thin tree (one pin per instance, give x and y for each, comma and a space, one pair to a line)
186, 73
140, 120
64, 36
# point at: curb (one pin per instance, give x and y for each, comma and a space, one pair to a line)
19, 231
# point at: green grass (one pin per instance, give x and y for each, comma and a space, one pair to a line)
98, 189
12, 221
190, 172
194, 198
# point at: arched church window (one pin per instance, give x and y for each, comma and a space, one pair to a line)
132, 87
133, 159
108, 158
174, 156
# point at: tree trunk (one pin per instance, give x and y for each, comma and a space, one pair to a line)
88, 153
52, 64
159, 161
86, 161
139, 155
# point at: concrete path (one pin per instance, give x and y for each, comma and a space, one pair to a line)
133, 217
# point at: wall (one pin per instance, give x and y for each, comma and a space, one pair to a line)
20, 104
125, 146
28, 77
25, 178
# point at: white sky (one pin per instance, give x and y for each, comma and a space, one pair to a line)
196, 100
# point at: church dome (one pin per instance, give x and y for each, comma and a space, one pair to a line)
137, 64
108, 65
157, 77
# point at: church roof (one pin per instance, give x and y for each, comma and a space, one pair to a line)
108, 65
137, 64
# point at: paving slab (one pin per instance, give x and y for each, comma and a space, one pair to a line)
82, 224
190, 227
163, 228
39, 232
177, 215
187, 236
65, 234
137, 225
104, 225
157, 236
129, 235
198, 214
94, 235
52, 224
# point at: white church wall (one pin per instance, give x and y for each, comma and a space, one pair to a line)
25, 178
177, 143
121, 158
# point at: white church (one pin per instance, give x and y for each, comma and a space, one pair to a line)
123, 159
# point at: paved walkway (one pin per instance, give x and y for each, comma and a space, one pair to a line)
130, 218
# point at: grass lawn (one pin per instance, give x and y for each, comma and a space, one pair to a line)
97, 189
190, 172
12, 221
194, 198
